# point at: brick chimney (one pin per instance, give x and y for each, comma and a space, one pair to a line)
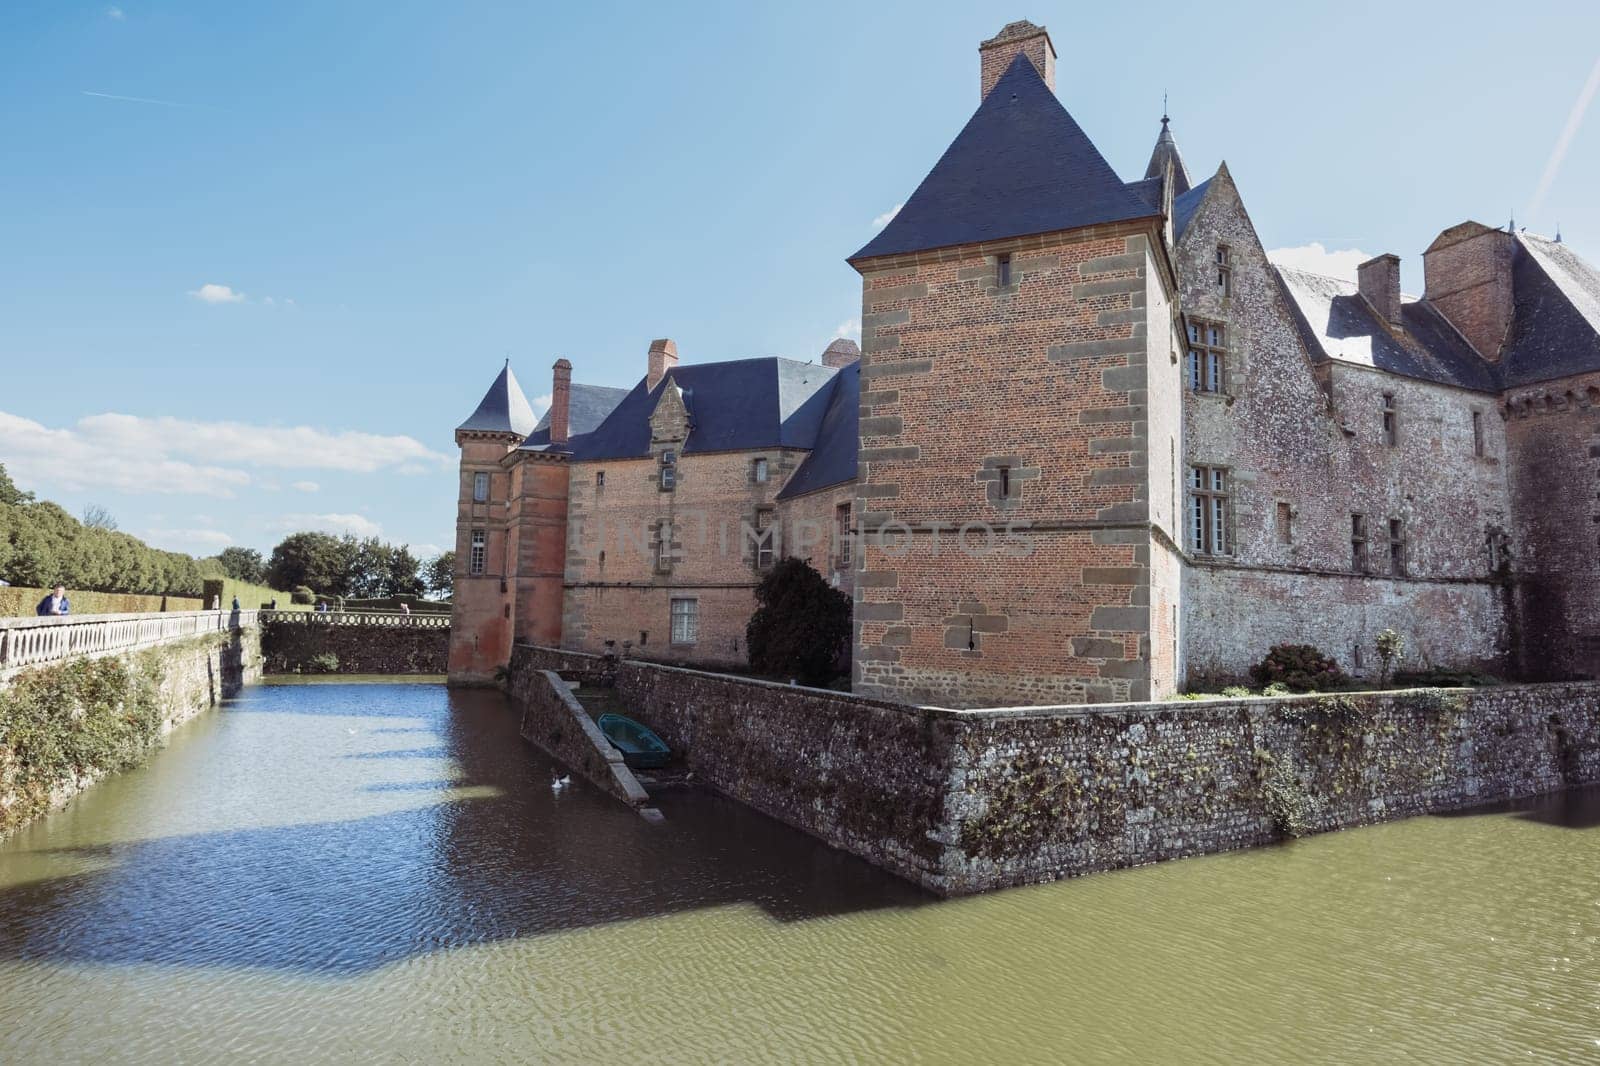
996, 54
1379, 283
663, 357
561, 402
841, 352
1468, 278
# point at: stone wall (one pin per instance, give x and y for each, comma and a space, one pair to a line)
1552, 433
1304, 450
312, 644
187, 677
966, 801
554, 719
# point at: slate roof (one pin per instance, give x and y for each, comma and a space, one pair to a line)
503, 409
1167, 148
1183, 207
1555, 329
587, 407
733, 406
833, 457
1337, 324
1021, 165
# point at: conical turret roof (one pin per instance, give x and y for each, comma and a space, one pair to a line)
503, 409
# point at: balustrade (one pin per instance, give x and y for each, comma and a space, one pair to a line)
35, 641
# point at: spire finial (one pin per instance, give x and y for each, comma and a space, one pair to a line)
1164, 118
1558, 233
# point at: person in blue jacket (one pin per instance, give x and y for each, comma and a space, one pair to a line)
55, 603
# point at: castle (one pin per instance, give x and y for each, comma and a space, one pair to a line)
1093, 447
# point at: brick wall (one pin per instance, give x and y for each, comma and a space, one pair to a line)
1552, 433
482, 604
1046, 377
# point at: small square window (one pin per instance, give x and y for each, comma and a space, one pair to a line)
1224, 271
599, 480
1477, 434
766, 539
1285, 523
1358, 543
1002, 270
669, 479
480, 486
1391, 421
758, 470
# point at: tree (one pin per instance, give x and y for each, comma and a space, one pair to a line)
403, 578
801, 625
243, 564
440, 575
1391, 647
317, 560
10, 495
98, 517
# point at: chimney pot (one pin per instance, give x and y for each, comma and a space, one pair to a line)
1378, 280
997, 53
663, 357
560, 402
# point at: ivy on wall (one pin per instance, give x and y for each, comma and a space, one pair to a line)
68, 721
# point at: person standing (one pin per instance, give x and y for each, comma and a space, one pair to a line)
55, 603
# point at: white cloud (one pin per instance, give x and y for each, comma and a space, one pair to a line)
888, 216
200, 542
541, 404
360, 525
425, 551
305, 486
45, 459
137, 455
850, 327
115, 14
270, 446
1315, 259
211, 293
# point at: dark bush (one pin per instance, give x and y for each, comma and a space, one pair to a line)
302, 594
801, 626
1299, 667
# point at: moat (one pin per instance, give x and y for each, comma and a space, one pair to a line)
381, 872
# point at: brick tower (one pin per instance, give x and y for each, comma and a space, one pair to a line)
1018, 345
481, 626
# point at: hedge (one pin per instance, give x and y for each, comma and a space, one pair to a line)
16, 602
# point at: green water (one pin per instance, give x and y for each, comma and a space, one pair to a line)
382, 873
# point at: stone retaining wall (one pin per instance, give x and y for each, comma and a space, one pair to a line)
966, 801
554, 719
190, 676
321, 644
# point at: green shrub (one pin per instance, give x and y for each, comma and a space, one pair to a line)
302, 594
1300, 667
1236, 692
801, 626
1286, 801
1277, 688
324, 663
1391, 646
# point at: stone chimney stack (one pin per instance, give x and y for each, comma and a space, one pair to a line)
1468, 278
841, 353
663, 357
561, 402
1379, 282
995, 54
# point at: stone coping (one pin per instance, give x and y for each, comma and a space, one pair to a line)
1075, 710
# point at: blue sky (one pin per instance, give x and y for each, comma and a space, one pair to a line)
258, 293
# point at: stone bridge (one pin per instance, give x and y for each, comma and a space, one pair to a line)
354, 642
35, 641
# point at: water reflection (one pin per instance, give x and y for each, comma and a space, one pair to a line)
492, 854
382, 873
